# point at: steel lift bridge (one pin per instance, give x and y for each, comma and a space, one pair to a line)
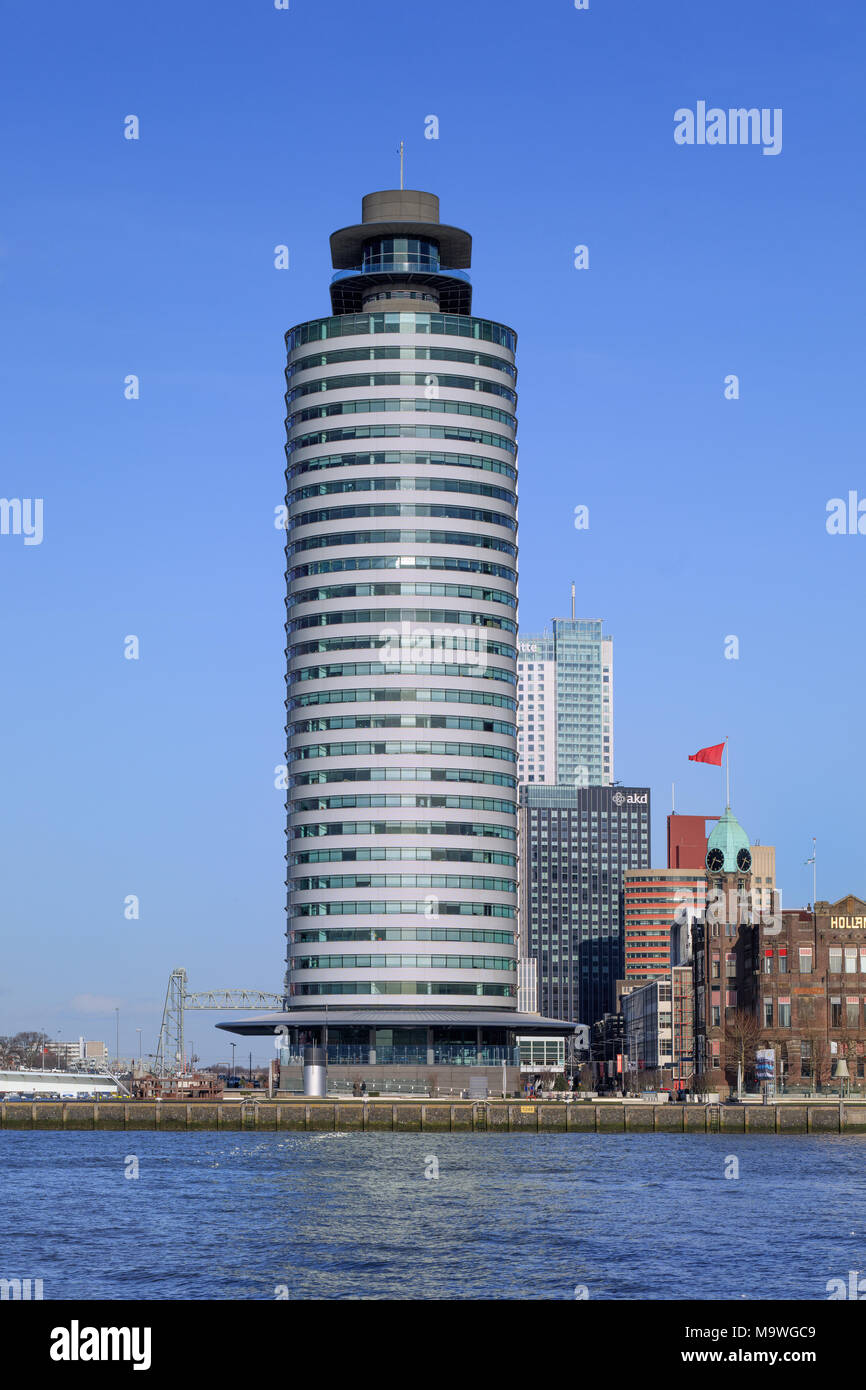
170, 1052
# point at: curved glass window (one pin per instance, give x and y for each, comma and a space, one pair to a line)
402, 431
487, 937
468, 486
313, 465
401, 721
318, 829
401, 695
334, 538
383, 508
449, 382
440, 962
401, 321
399, 668
418, 644
416, 353
376, 853
427, 645
386, 590
316, 883
349, 563
397, 615
400, 253
391, 908
381, 750
321, 776
427, 987
389, 404
362, 802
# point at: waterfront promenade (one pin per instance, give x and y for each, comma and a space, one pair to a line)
551, 1117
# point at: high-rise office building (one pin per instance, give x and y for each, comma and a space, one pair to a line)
653, 901
536, 709
401, 569
576, 844
565, 705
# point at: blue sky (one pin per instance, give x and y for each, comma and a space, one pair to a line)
261, 127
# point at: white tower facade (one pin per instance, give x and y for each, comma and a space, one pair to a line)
401, 568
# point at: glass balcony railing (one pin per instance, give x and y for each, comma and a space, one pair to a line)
464, 1055
387, 265
444, 1054
400, 263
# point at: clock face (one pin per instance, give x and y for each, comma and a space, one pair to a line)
715, 860
744, 861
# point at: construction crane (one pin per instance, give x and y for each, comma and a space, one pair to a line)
170, 1053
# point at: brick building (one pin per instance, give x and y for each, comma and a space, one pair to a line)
723, 945
801, 980
811, 982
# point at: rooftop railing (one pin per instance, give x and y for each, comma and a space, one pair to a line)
389, 265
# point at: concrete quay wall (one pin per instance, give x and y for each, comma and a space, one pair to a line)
509, 1116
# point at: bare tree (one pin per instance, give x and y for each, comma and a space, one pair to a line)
22, 1050
742, 1035
700, 1082
819, 1059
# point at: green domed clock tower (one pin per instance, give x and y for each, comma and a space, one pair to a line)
724, 949
728, 849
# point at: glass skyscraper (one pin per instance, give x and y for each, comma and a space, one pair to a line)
565, 705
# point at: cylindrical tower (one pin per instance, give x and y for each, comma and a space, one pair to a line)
401, 560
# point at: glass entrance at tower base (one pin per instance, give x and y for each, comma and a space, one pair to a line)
406, 1047
425, 1052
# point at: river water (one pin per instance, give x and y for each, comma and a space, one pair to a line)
265, 1216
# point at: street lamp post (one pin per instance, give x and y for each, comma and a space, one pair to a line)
116, 1036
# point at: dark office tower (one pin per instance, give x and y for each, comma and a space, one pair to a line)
576, 845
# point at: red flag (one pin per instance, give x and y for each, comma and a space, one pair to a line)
713, 754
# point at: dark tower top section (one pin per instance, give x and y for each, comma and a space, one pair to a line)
400, 256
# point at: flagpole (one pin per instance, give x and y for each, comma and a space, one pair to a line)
727, 775
814, 862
